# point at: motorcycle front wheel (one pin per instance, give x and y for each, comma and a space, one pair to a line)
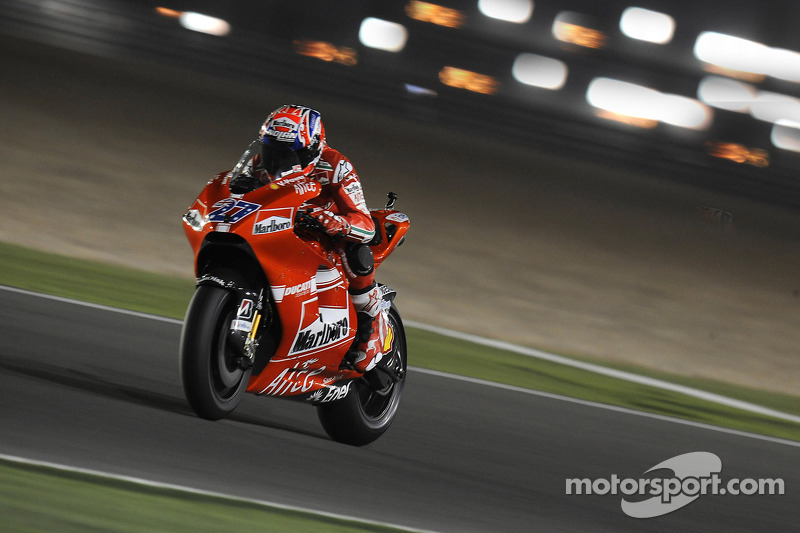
213, 380
367, 411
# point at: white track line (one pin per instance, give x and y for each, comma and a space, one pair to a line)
501, 345
618, 374
608, 407
189, 490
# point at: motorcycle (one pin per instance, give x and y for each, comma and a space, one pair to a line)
271, 314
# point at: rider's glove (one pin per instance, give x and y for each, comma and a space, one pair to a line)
334, 225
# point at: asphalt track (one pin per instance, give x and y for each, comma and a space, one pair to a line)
98, 389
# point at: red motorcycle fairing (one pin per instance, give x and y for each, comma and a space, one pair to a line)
305, 281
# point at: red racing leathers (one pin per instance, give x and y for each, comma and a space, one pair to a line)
342, 209
343, 197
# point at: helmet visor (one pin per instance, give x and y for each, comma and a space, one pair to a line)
278, 160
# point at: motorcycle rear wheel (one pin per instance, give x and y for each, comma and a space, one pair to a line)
213, 381
369, 409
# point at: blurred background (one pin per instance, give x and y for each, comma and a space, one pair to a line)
705, 91
611, 180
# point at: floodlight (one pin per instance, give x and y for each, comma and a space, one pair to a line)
726, 93
540, 71
382, 34
517, 11
204, 23
641, 102
647, 25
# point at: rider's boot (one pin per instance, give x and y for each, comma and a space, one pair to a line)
372, 329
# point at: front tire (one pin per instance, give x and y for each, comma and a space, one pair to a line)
367, 411
213, 380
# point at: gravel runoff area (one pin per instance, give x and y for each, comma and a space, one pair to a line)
100, 160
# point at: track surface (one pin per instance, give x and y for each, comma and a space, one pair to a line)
99, 389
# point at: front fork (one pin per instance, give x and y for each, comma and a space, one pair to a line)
244, 326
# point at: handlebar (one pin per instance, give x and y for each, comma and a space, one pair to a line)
306, 221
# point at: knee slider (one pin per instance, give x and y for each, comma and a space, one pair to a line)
360, 259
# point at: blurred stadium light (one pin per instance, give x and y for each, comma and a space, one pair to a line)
420, 91
197, 21
204, 23
784, 64
738, 153
725, 93
382, 34
435, 14
733, 53
786, 136
517, 11
167, 12
466, 79
579, 29
540, 71
636, 101
326, 51
774, 107
456, 61
743, 55
646, 25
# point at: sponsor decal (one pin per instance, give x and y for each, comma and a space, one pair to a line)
291, 180
397, 217
285, 124
279, 292
244, 316
246, 309
330, 393
356, 194
241, 325
342, 170
273, 221
330, 326
320, 334
293, 380
283, 129
215, 279
301, 183
306, 187
231, 210
194, 219
353, 188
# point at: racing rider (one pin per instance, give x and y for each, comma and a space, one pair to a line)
293, 140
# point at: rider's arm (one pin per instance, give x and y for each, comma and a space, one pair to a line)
348, 195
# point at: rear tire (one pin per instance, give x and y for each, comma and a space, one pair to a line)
213, 381
369, 409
